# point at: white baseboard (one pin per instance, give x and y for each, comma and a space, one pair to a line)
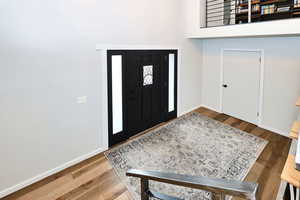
280, 132
214, 109
48, 173
89, 155
59, 168
189, 110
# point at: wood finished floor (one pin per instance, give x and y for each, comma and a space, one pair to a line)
94, 178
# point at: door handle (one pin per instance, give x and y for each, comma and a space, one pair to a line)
225, 86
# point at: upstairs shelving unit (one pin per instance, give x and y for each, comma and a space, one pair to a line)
266, 10
242, 11
207, 20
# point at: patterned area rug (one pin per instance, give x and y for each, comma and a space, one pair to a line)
194, 145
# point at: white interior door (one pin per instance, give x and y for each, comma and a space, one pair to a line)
241, 84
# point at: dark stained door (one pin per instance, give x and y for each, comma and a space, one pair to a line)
145, 90
145, 83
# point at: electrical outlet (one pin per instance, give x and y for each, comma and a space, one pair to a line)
82, 99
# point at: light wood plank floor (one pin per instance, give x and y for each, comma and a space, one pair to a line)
94, 178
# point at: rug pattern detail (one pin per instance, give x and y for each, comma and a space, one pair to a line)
193, 144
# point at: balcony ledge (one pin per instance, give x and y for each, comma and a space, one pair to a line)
286, 27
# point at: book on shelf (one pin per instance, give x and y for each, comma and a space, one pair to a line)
268, 9
246, 2
242, 10
283, 9
255, 8
242, 1
296, 3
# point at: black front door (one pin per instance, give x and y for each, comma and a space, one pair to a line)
145, 98
145, 91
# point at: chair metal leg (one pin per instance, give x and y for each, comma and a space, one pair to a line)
222, 196
292, 192
144, 189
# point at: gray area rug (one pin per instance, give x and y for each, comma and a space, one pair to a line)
194, 145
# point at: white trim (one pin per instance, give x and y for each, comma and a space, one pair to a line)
41, 176
104, 104
281, 190
133, 47
261, 81
280, 132
221, 80
262, 29
179, 101
292, 195
211, 108
261, 86
189, 110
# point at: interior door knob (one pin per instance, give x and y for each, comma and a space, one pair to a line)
225, 86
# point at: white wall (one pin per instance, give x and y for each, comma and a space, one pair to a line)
281, 78
48, 58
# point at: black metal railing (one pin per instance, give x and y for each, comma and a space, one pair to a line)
229, 12
218, 187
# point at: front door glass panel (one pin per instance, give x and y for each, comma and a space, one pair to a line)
147, 75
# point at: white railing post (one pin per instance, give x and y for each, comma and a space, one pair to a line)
292, 195
249, 10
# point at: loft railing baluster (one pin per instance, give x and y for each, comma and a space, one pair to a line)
235, 10
206, 22
249, 11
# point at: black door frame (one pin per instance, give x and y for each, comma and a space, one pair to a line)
123, 135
